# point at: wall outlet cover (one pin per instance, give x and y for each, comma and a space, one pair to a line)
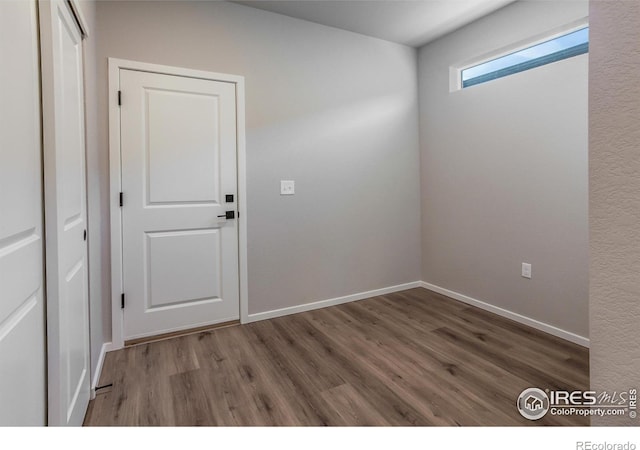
287, 187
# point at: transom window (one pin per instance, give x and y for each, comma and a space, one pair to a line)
556, 49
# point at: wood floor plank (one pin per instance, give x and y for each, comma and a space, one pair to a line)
510, 335
226, 391
351, 408
408, 358
189, 395
295, 370
503, 343
408, 381
264, 398
426, 375
368, 383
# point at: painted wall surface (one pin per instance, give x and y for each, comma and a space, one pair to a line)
333, 110
504, 171
614, 203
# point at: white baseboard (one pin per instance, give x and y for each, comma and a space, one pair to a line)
533, 323
330, 302
555, 331
106, 347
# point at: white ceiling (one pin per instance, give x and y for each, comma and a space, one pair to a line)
409, 22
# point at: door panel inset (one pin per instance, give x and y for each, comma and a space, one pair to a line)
183, 147
75, 338
20, 271
71, 136
183, 267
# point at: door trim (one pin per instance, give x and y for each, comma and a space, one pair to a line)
115, 166
82, 22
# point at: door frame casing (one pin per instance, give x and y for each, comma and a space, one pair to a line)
115, 166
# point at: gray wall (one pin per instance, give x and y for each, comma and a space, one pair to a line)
333, 110
614, 204
504, 171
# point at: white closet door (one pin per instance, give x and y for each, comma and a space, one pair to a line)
22, 328
65, 213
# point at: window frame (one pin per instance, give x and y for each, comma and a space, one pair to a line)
455, 72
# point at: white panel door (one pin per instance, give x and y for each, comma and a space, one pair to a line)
22, 326
178, 149
65, 214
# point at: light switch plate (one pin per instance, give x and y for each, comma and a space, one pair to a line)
526, 270
287, 187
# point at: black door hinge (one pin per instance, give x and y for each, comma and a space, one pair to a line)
122, 302
85, 235
121, 199
119, 98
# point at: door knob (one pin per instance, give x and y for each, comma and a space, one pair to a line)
228, 215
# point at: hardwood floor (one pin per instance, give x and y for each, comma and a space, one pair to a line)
409, 358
